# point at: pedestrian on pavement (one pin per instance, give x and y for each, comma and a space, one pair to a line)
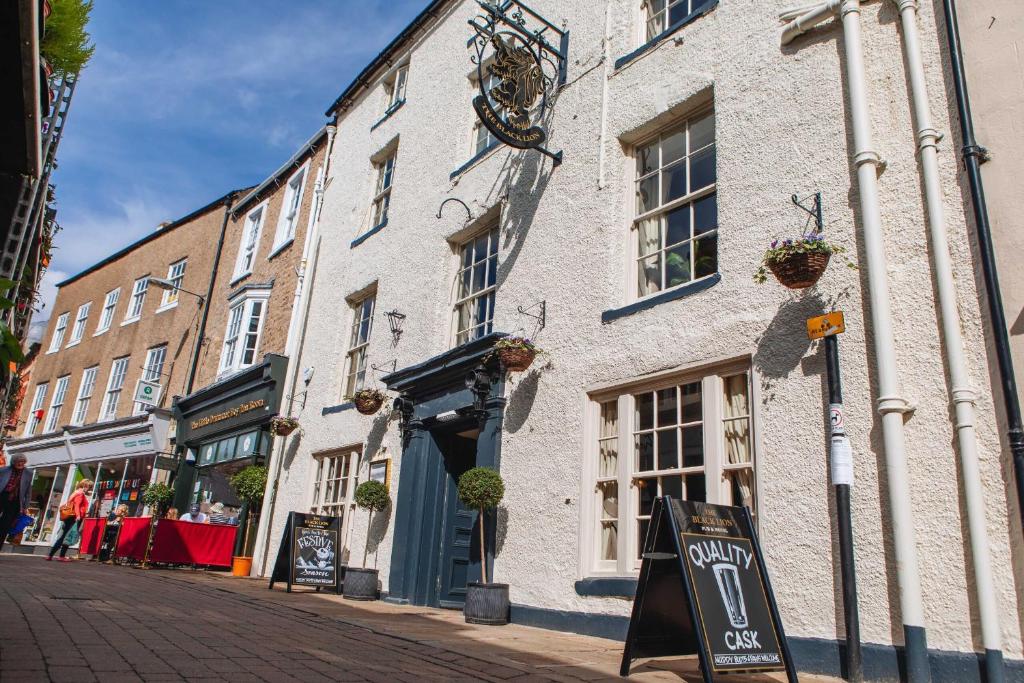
15, 490
71, 515
194, 515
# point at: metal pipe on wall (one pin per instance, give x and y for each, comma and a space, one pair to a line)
891, 405
960, 384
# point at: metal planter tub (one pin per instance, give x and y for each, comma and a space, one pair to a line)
359, 584
486, 603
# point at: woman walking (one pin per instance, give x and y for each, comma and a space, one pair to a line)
71, 515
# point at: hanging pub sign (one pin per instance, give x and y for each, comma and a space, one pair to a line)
703, 589
518, 69
308, 555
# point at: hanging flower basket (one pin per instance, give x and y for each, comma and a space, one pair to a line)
516, 353
283, 426
798, 263
369, 401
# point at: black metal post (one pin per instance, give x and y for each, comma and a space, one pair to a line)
840, 455
973, 155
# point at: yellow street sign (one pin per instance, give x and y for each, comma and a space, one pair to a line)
826, 325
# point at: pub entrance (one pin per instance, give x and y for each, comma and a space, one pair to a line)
459, 550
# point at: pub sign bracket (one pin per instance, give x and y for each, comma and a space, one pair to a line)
528, 56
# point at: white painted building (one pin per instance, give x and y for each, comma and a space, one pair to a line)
665, 364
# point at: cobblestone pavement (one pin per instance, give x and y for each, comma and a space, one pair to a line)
82, 621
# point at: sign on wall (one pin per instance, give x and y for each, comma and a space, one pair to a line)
147, 393
309, 552
703, 589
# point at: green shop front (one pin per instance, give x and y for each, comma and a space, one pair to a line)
223, 428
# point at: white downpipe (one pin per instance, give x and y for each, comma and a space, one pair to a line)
963, 392
293, 343
891, 405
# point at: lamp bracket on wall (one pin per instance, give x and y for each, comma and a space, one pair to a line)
395, 322
383, 367
469, 214
814, 211
541, 314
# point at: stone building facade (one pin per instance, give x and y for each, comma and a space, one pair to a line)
666, 368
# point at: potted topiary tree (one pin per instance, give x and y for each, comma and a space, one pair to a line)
155, 496
361, 582
486, 603
249, 485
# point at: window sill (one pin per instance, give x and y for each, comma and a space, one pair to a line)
99, 332
280, 247
662, 297
238, 278
607, 587
167, 307
73, 343
340, 408
388, 114
656, 40
129, 321
476, 157
366, 235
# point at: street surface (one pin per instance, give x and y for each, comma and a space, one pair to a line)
83, 621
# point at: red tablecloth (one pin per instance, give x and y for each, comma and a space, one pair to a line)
92, 535
132, 541
177, 542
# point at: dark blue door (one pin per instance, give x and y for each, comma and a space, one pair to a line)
460, 546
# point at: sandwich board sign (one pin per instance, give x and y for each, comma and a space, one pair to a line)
147, 393
309, 551
703, 589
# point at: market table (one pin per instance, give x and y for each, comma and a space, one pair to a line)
177, 542
92, 535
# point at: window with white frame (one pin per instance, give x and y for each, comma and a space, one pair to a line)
85, 389
58, 332
107, 314
115, 384
152, 371
676, 224
60, 392
241, 339
660, 15
337, 475
34, 415
80, 320
138, 299
250, 241
359, 341
382, 193
289, 217
475, 287
482, 135
176, 276
687, 436
394, 87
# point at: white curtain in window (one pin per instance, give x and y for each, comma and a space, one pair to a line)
649, 274
737, 435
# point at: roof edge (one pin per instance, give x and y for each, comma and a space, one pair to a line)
284, 168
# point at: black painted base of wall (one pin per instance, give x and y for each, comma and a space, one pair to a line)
812, 655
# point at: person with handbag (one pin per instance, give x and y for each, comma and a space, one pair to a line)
15, 493
71, 515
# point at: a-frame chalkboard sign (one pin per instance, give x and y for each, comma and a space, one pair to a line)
308, 555
704, 589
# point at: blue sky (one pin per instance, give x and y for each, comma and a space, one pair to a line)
185, 100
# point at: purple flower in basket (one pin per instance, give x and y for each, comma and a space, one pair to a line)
775, 243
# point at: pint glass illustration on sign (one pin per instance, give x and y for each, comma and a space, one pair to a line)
703, 589
308, 554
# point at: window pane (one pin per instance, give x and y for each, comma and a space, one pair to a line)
673, 147
648, 491
693, 446
609, 500
673, 182
706, 256
705, 214
644, 444
678, 11
647, 194
702, 169
696, 488
702, 132
644, 410
677, 225
609, 540
668, 449
646, 160
609, 419
741, 487
667, 407
691, 402
649, 275
677, 265
672, 486
642, 526
649, 236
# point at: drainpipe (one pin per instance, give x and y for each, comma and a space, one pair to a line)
963, 392
891, 405
295, 341
974, 156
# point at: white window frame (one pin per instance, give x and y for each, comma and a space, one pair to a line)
176, 276
249, 245
490, 262
85, 388
60, 392
115, 386
81, 319
327, 474
714, 467
358, 348
380, 205
107, 313
137, 301
394, 89
37, 404
58, 332
152, 371
662, 209
236, 342
482, 137
651, 28
291, 208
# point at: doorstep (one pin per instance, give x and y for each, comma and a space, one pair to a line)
537, 649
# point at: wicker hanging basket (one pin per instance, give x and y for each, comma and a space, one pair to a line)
367, 403
282, 427
799, 271
516, 359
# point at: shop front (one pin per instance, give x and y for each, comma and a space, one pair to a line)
223, 428
120, 457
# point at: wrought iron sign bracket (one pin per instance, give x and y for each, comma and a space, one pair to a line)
384, 366
541, 318
814, 211
469, 214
